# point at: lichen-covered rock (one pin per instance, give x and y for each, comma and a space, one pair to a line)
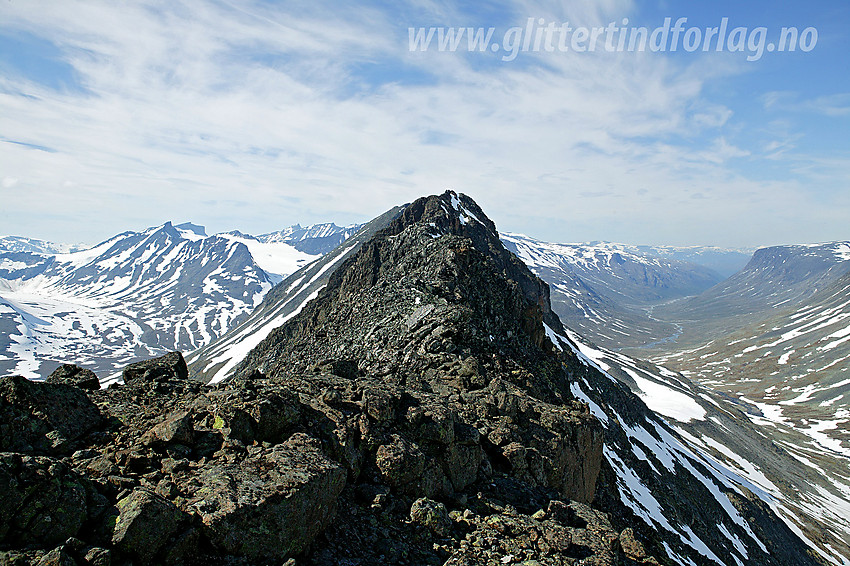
272, 504
632, 547
59, 556
380, 405
97, 556
431, 514
145, 524
71, 374
176, 428
42, 501
169, 366
42, 417
236, 423
274, 416
400, 462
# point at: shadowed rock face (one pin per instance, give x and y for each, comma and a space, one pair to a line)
70, 374
43, 418
171, 365
43, 501
435, 287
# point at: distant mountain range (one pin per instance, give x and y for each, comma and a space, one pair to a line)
138, 294
316, 239
604, 290
175, 287
32, 245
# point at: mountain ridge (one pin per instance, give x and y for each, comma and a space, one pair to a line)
367, 325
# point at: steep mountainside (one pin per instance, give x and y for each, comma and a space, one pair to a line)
135, 295
434, 317
604, 290
802, 481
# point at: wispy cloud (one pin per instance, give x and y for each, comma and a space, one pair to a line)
254, 115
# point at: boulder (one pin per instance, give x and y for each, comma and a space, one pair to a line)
42, 501
431, 514
632, 547
176, 428
274, 416
271, 505
43, 417
400, 462
59, 556
145, 523
169, 366
71, 374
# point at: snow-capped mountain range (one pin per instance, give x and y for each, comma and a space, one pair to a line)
315, 239
217, 360
170, 287
604, 290
135, 295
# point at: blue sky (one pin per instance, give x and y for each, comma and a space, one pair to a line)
254, 115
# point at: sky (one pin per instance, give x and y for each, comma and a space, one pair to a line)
256, 115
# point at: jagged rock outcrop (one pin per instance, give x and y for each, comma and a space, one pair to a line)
44, 501
169, 366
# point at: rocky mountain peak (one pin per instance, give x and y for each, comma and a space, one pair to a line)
434, 300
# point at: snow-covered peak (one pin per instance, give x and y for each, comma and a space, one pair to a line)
274, 257
460, 205
842, 250
298, 233
591, 255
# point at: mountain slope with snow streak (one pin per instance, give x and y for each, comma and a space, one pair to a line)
135, 295
316, 239
794, 366
776, 278
218, 360
808, 489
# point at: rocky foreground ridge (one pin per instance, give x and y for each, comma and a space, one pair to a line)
421, 410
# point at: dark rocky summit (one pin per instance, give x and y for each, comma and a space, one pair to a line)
416, 412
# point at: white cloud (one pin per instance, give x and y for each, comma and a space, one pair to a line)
9, 182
